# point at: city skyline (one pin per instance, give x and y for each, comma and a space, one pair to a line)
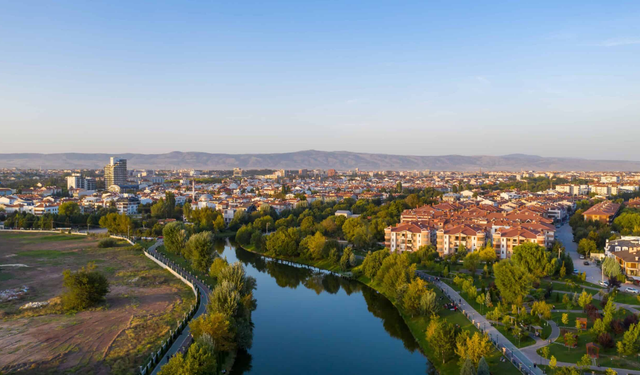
410, 79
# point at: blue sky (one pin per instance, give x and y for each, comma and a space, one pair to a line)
401, 77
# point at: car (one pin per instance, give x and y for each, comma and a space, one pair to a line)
586, 263
604, 283
631, 290
575, 270
581, 256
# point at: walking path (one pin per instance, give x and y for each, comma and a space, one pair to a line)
184, 340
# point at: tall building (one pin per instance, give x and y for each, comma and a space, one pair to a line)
75, 181
116, 172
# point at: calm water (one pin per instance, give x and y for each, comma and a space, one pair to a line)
309, 323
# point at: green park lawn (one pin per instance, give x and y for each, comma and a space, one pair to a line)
525, 341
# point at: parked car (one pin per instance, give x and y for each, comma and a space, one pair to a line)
604, 283
631, 290
575, 270
586, 263
581, 256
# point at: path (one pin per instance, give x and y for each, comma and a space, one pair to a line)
183, 341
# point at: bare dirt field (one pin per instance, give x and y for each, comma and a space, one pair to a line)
145, 301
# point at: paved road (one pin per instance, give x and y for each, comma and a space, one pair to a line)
565, 235
182, 342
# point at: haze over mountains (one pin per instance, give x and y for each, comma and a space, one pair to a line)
310, 159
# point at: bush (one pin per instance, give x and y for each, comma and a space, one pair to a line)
107, 242
629, 320
606, 340
617, 326
84, 288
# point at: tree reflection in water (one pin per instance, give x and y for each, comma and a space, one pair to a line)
287, 276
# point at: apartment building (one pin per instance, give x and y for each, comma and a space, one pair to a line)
505, 239
75, 181
604, 211
573, 189
407, 237
449, 240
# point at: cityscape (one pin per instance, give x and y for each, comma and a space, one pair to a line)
343, 188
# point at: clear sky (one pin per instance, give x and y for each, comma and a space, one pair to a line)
552, 78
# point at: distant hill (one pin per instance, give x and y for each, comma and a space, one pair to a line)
340, 160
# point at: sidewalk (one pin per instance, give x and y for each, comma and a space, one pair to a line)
183, 341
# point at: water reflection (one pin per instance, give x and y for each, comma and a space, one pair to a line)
287, 276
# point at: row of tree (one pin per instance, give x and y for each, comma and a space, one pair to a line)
224, 328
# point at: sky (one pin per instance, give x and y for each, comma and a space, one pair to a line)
397, 77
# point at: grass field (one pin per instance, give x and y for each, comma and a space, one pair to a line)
144, 302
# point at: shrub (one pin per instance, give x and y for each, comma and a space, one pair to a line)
617, 325
629, 320
606, 340
107, 242
84, 288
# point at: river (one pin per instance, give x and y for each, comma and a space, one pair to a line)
312, 323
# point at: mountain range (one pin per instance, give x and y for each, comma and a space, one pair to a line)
311, 159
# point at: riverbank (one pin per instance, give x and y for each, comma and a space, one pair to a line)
229, 358
417, 325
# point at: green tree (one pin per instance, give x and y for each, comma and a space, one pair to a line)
344, 260
512, 281
217, 327
587, 246
553, 363
413, 296
428, 304
175, 237
598, 327
217, 266
474, 347
488, 253
317, 246
609, 313
610, 372
569, 340
69, 209
84, 288
199, 251
333, 256
483, 367
199, 360
584, 363
584, 299
471, 262
545, 352
541, 308
441, 336
373, 261
534, 259
630, 343
467, 368
611, 268
565, 319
